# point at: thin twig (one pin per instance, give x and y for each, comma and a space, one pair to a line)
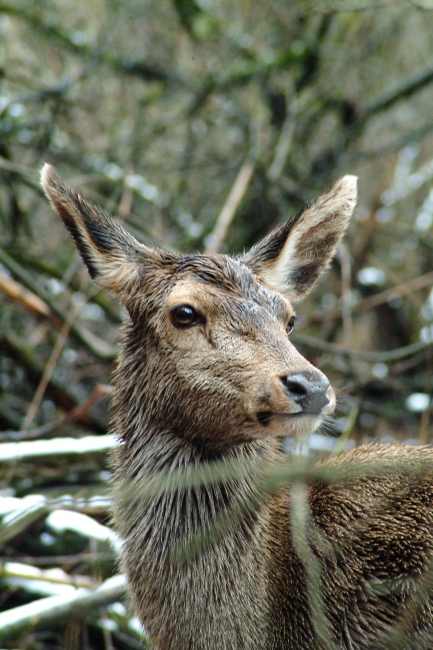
18, 521
273, 478
403, 289
421, 6
426, 414
25, 297
51, 364
374, 357
348, 428
346, 299
79, 413
300, 522
398, 291
97, 346
228, 211
283, 145
64, 393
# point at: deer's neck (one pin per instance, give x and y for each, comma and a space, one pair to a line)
178, 490
194, 552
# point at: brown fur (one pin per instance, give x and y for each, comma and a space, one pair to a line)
226, 563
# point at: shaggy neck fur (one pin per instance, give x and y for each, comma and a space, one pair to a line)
193, 554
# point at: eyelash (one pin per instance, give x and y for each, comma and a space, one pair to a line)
290, 325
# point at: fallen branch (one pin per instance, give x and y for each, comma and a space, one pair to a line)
16, 573
15, 522
61, 520
19, 451
55, 609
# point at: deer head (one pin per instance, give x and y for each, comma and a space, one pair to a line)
206, 352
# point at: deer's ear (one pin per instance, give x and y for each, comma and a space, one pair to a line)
292, 257
110, 253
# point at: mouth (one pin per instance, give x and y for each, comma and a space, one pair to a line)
289, 423
265, 417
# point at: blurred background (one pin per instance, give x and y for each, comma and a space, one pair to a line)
200, 124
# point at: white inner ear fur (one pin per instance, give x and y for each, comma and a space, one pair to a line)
114, 273
333, 210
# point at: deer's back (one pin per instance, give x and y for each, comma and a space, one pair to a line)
362, 559
351, 569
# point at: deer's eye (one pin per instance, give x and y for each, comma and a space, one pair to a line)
290, 325
184, 316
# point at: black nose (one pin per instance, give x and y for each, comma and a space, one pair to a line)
310, 393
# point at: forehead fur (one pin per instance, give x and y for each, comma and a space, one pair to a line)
230, 276
219, 277
218, 270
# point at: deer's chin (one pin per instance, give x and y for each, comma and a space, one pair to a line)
290, 424
296, 425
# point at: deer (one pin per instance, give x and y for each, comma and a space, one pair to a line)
208, 383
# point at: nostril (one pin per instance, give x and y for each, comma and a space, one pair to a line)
294, 386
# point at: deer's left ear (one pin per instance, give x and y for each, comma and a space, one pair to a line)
111, 254
292, 257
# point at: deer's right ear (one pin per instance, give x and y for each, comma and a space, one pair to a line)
292, 257
110, 253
